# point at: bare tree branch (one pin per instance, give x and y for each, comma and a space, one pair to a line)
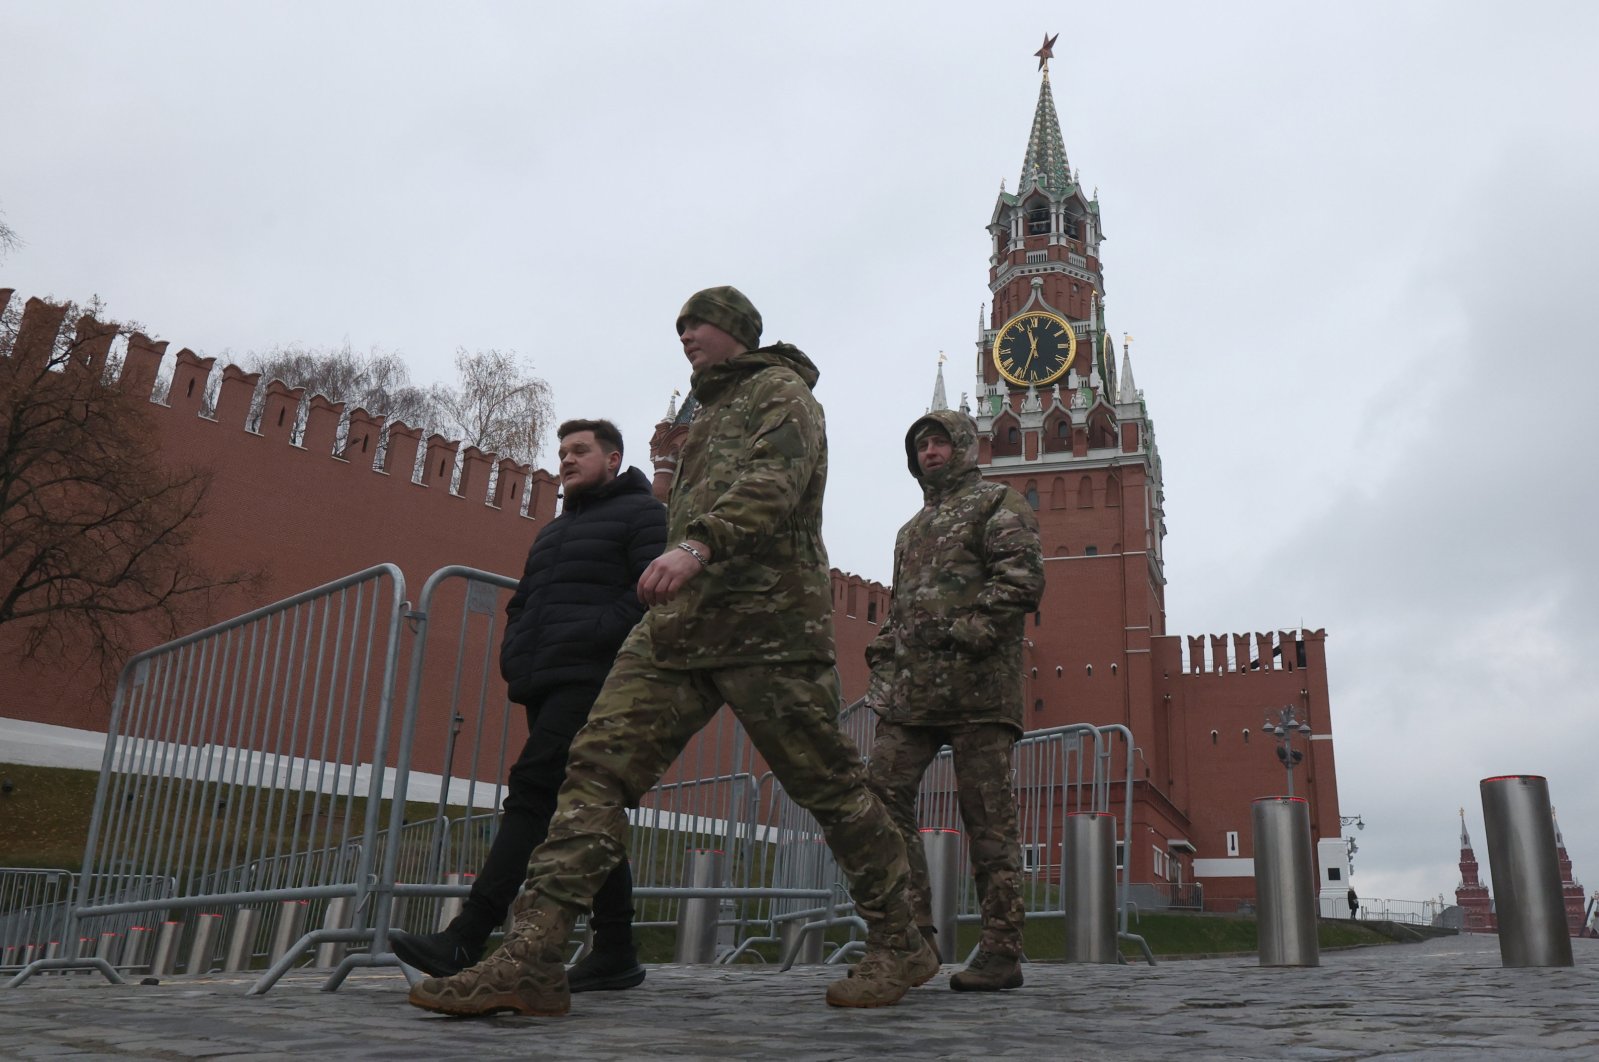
96, 527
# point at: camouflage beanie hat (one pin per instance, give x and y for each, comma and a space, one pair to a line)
727, 309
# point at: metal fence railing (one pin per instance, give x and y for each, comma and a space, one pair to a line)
239, 770
270, 796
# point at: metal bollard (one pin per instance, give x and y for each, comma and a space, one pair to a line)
136, 946
1526, 871
331, 953
290, 928
241, 942
1285, 882
54, 950
696, 917
107, 948
805, 949
943, 850
1090, 887
166, 949
203, 944
452, 904
9, 955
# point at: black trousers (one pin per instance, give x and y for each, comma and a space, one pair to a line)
534, 780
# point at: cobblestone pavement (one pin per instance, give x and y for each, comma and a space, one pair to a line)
1444, 999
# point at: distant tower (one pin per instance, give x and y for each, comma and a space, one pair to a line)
1476, 909
667, 441
1570, 888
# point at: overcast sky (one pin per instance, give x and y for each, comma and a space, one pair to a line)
1355, 244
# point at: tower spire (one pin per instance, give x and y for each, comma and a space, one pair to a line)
1045, 164
939, 401
1129, 391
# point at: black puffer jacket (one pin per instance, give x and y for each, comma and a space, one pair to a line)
578, 596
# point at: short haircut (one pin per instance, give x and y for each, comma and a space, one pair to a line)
608, 435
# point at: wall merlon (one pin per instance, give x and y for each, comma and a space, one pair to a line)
233, 401
509, 485
91, 343
475, 466
399, 460
5, 298
321, 425
141, 364
282, 407
190, 373
542, 489
361, 442
41, 323
439, 468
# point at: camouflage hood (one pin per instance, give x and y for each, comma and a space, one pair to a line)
962, 467
708, 383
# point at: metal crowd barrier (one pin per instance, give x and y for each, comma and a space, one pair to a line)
243, 768
247, 768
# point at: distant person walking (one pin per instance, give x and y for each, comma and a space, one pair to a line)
1354, 904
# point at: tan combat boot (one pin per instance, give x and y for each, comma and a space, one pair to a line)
886, 972
526, 975
989, 971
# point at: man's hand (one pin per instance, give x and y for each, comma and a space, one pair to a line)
670, 572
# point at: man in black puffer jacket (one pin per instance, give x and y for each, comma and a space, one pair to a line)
577, 601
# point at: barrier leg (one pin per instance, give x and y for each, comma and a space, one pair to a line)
1285, 882
798, 947
1526, 872
1090, 887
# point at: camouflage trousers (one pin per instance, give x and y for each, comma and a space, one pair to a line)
642, 719
900, 756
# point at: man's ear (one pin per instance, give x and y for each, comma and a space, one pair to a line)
613, 461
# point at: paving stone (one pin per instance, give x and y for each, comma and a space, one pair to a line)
1442, 999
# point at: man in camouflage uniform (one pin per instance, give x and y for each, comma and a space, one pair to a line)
740, 612
947, 669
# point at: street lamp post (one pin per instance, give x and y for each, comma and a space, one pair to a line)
1284, 727
1358, 823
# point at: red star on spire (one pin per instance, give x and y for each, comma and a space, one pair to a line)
1047, 52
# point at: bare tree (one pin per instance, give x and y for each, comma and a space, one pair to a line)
498, 405
96, 527
9, 240
377, 382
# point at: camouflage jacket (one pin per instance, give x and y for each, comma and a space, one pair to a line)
749, 485
968, 569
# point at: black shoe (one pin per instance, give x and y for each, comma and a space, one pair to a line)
606, 971
441, 954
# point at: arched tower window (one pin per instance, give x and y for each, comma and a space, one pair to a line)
1057, 434
1031, 494
1057, 494
1038, 217
1073, 218
1113, 492
1007, 435
1085, 493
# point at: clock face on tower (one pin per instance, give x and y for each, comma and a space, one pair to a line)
1034, 348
